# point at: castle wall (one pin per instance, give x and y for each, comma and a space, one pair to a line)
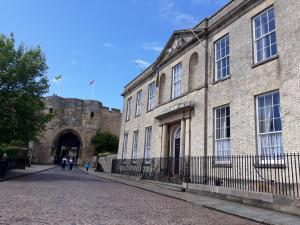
80, 117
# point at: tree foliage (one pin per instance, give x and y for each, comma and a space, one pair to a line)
105, 142
23, 83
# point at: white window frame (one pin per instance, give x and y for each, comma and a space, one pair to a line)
176, 80
129, 108
226, 57
138, 108
148, 145
223, 158
135, 146
151, 95
276, 158
124, 149
264, 37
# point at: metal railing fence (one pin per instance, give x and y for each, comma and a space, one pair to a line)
277, 174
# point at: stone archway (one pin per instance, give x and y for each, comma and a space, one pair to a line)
67, 143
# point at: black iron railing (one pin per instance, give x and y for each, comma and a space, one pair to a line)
277, 174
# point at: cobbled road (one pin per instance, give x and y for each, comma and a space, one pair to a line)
63, 197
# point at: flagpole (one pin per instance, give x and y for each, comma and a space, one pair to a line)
93, 89
60, 88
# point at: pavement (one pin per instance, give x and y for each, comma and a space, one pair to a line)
255, 214
35, 168
57, 196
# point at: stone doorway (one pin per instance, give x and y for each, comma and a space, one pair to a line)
67, 145
176, 151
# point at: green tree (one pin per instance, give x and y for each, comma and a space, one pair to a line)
23, 83
105, 142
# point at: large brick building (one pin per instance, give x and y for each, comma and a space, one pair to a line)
228, 86
73, 124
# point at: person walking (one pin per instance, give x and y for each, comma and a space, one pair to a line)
87, 165
71, 162
64, 163
3, 165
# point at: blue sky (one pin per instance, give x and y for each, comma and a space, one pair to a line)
104, 40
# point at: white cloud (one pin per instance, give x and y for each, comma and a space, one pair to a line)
141, 63
167, 8
170, 12
108, 45
74, 52
73, 61
186, 19
153, 46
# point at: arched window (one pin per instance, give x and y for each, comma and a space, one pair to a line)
162, 89
194, 75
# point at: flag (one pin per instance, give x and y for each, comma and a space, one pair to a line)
93, 81
57, 78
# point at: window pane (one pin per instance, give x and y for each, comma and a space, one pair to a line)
274, 49
262, 127
228, 121
228, 132
257, 33
268, 100
227, 111
259, 55
223, 112
217, 133
267, 52
276, 99
264, 18
265, 28
217, 123
218, 113
223, 124
259, 44
261, 101
276, 111
271, 25
271, 14
273, 37
257, 22
269, 112
278, 126
261, 114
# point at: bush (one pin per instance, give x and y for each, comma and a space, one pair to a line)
105, 142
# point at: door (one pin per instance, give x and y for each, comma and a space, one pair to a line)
176, 156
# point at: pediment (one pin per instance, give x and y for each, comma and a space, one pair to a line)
177, 42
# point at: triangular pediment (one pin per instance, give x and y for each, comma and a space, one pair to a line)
177, 41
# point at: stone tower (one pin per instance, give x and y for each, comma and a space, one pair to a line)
73, 124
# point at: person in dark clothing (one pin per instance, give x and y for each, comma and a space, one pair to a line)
3, 165
64, 163
99, 168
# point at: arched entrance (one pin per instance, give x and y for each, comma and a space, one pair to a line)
176, 150
67, 144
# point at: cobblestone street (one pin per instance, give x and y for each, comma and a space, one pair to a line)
63, 197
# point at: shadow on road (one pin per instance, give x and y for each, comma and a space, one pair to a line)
57, 174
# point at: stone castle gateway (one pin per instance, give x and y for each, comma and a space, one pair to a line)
69, 132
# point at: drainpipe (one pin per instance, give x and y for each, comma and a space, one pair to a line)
205, 106
205, 96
